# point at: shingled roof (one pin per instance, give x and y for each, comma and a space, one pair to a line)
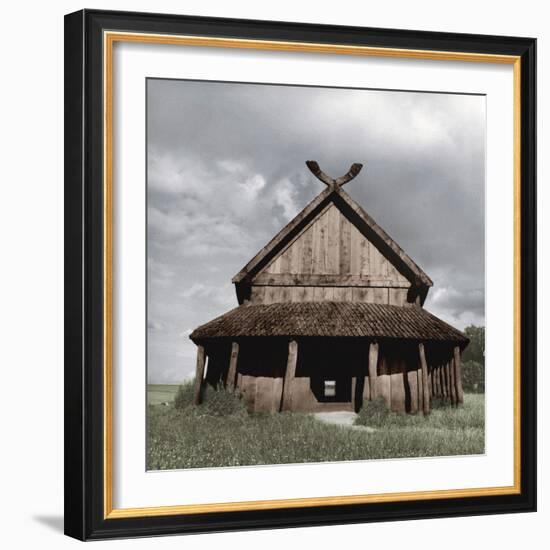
333, 319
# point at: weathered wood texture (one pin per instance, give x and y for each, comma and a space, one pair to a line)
367, 389
442, 382
437, 390
420, 389
272, 294
232, 372
443, 389
458, 376
331, 244
199, 374
452, 382
294, 381
382, 387
267, 394
446, 370
425, 387
397, 380
247, 387
412, 380
286, 404
372, 371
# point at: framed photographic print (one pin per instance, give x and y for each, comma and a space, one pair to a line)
300, 274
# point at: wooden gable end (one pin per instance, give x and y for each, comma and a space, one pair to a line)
330, 259
332, 245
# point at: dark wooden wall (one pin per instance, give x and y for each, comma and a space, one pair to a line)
262, 364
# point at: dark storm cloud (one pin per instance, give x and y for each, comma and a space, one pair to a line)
226, 171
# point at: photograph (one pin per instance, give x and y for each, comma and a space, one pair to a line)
315, 274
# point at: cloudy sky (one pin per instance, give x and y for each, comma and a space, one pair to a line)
226, 172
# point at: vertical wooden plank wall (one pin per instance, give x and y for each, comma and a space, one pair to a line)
383, 383
398, 389
332, 245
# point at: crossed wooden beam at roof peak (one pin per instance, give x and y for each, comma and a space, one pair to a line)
334, 183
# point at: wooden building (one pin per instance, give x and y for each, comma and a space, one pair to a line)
330, 315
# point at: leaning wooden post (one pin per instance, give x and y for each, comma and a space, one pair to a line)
446, 370
425, 387
458, 377
373, 363
442, 380
286, 403
199, 373
452, 381
232, 372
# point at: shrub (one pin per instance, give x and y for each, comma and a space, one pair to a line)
214, 402
221, 402
184, 395
373, 413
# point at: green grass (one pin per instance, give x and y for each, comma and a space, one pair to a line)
195, 438
161, 393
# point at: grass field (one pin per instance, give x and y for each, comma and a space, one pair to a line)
161, 393
194, 438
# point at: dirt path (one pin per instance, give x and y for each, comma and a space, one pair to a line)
342, 418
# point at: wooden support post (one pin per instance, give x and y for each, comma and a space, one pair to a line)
458, 377
286, 403
425, 388
447, 376
353, 393
452, 381
199, 374
232, 372
420, 388
412, 381
373, 364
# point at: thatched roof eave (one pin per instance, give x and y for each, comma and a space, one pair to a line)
330, 320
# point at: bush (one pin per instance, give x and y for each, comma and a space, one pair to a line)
184, 396
214, 402
373, 413
221, 402
473, 377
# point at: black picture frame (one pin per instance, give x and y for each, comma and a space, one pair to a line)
84, 281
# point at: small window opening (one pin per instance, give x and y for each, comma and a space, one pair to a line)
330, 388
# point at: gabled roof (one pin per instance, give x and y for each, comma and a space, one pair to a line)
349, 208
330, 319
